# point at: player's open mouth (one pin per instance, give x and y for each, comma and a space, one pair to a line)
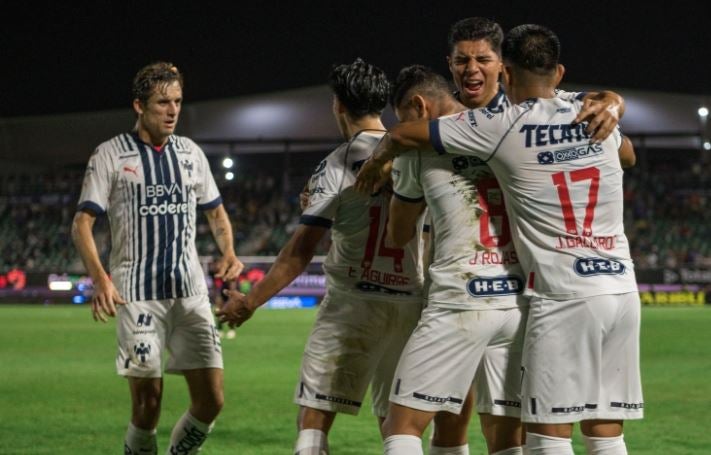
473, 86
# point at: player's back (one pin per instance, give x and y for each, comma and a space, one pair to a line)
474, 264
566, 199
563, 193
358, 259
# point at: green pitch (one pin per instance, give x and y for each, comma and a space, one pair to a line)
59, 393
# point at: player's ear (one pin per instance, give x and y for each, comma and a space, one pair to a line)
420, 105
138, 106
559, 72
507, 77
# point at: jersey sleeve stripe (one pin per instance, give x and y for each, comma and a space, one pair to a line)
211, 204
580, 96
311, 220
91, 206
435, 137
408, 199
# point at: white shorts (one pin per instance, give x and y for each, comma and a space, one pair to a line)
186, 327
354, 342
451, 348
581, 360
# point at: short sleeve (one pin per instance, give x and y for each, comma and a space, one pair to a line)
207, 194
406, 177
324, 190
96, 188
476, 132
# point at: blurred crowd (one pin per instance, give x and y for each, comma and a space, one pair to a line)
667, 213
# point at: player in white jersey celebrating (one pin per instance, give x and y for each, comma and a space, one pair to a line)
474, 320
149, 182
373, 298
563, 193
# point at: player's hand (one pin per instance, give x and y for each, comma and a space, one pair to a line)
104, 300
229, 267
602, 117
373, 175
237, 310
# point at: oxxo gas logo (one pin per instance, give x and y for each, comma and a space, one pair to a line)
501, 285
598, 266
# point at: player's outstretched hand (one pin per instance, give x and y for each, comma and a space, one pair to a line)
104, 301
373, 175
229, 267
237, 310
602, 116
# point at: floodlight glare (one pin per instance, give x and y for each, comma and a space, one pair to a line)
707, 145
703, 111
229, 176
227, 163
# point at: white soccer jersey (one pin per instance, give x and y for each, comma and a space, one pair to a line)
150, 197
474, 263
564, 194
358, 259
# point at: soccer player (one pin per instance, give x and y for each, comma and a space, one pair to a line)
373, 298
563, 192
150, 182
474, 319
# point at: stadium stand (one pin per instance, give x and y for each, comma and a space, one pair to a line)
667, 213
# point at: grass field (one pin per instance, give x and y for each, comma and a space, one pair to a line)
59, 393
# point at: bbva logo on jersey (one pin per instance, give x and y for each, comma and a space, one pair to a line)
598, 266
493, 286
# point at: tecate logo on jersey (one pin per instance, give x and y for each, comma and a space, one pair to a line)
501, 285
166, 208
598, 266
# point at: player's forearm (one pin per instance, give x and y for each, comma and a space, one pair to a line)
290, 263
84, 242
221, 229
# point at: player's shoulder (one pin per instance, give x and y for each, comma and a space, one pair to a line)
183, 144
118, 147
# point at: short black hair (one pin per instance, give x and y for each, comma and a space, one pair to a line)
532, 47
155, 75
361, 87
475, 29
424, 79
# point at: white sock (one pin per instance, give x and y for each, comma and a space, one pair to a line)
538, 444
605, 446
403, 444
140, 441
510, 451
458, 450
188, 435
311, 442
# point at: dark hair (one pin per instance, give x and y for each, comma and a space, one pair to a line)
155, 75
532, 47
361, 87
424, 79
475, 29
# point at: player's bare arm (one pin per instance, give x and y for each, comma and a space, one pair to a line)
402, 221
290, 263
106, 297
628, 158
603, 111
229, 266
400, 138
